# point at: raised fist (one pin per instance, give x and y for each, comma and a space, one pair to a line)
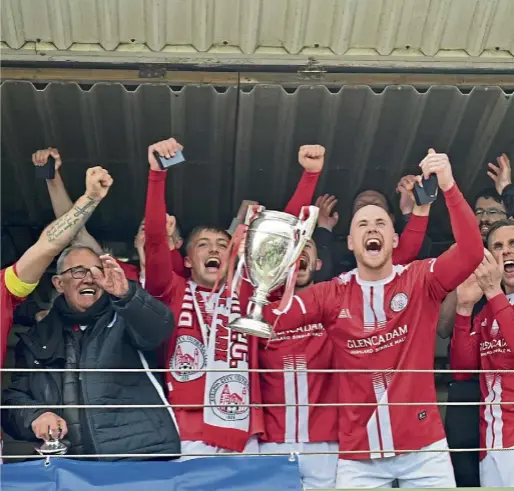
98, 182
165, 148
405, 187
327, 219
312, 157
41, 157
438, 164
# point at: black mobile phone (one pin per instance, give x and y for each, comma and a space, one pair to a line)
46, 171
166, 163
427, 193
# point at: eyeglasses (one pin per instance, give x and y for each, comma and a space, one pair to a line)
79, 272
492, 212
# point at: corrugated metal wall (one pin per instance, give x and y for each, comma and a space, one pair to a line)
239, 143
401, 32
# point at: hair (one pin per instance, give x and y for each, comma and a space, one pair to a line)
508, 222
488, 193
68, 251
389, 204
205, 228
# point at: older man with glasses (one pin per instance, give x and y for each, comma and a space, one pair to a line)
102, 321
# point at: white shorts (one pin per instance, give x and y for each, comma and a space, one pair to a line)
413, 470
317, 471
497, 469
189, 446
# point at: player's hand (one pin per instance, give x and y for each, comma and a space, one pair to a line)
243, 208
49, 426
469, 292
165, 148
489, 275
312, 157
406, 190
171, 227
326, 219
40, 158
438, 164
111, 277
501, 174
98, 183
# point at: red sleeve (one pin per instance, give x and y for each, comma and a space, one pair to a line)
177, 262
452, 267
303, 194
316, 304
158, 262
131, 271
411, 240
464, 348
503, 312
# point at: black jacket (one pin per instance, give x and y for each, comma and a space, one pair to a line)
124, 337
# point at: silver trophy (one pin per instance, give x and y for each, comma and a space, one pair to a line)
52, 447
274, 242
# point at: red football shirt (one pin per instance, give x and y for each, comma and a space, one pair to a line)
10, 285
389, 325
489, 346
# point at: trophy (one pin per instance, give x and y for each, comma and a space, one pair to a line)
52, 447
274, 241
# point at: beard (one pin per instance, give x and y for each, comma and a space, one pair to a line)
305, 279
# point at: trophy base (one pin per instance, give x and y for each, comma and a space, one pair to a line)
253, 327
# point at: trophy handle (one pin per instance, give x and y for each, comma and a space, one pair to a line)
305, 229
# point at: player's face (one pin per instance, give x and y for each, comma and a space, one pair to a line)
80, 292
206, 255
488, 211
372, 237
309, 264
501, 245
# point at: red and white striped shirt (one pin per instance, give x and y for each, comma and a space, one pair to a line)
300, 348
489, 345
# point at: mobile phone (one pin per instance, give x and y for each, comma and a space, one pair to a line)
46, 171
427, 193
165, 163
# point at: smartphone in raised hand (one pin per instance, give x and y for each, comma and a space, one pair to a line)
166, 163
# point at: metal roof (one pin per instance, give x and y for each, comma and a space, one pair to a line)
240, 142
394, 33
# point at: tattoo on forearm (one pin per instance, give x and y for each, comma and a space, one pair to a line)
70, 224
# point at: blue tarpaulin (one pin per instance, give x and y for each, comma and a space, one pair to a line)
206, 474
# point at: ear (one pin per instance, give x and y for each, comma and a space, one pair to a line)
187, 263
319, 263
57, 282
350, 243
396, 241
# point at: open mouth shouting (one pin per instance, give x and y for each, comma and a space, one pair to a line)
88, 292
373, 246
508, 266
304, 263
212, 264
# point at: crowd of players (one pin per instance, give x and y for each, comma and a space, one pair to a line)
379, 317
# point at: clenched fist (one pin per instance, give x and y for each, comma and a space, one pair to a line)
98, 182
165, 148
438, 164
312, 157
49, 426
40, 158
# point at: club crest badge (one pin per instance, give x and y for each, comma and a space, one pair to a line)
232, 394
399, 302
190, 355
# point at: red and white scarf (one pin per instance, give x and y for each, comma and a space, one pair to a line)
204, 342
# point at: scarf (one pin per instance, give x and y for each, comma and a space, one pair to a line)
204, 342
89, 317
